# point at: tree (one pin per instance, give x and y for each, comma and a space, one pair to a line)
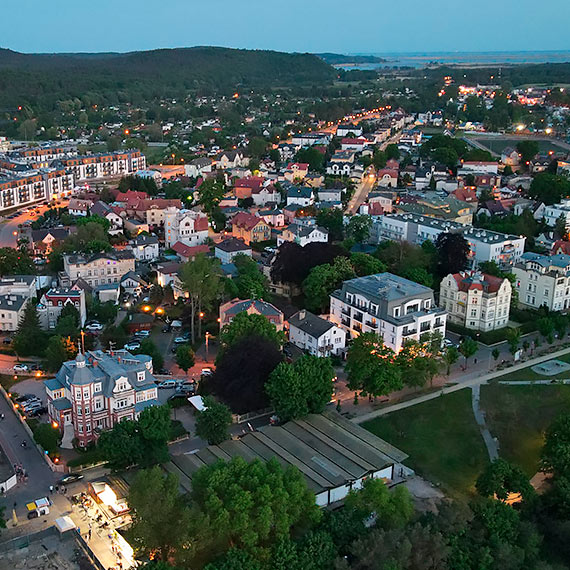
117, 336
302, 388
502, 478
67, 326
513, 339
323, 280
332, 219
371, 366
468, 348
250, 282
212, 424
242, 371
245, 325
560, 227
155, 429
48, 437
556, 451
210, 194
29, 338
121, 446
390, 509
453, 251
185, 357
312, 157
450, 357
58, 351
496, 353
545, 326
549, 188
201, 278
235, 559
249, 506
392, 152
527, 149
358, 228
418, 275
15, 261
160, 516
365, 264
149, 348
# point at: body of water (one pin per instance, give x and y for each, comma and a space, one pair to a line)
471, 59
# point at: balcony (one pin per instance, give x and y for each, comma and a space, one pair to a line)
358, 327
438, 324
425, 327
408, 332
358, 317
371, 324
346, 312
345, 322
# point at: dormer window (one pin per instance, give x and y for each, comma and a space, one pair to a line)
140, 376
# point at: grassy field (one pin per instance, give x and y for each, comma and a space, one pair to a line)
497, 144
529, 374
518, 416
441, 438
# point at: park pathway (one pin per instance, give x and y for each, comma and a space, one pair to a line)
490, 442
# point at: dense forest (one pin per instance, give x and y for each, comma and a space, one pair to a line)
29, 78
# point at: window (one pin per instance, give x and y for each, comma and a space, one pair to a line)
88, 428
86, 410
86, 393
396, 311
98, 404
140, 376
78, 394
97, 387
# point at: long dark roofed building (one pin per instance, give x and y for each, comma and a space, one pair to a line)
333, 454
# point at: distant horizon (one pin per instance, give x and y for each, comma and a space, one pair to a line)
316, 52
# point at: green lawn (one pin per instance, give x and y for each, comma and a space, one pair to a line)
529, 374
497, 144
518, 416
441, 438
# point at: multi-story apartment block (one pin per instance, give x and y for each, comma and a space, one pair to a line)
485, 245
97, 269
552, 213
390, 306
54, 301
23, 285
476, 300
34, 186
543, 280
89, 167
186, 226
97, 390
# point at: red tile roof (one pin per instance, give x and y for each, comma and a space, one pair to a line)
246, 221
469, 280
189, 251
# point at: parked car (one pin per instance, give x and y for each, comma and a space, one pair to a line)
25, 403
206, 372
71, 478
167, 384
94, 327
142, 334
178, 396
180, 340
38, 513
32, 406
37, 411
21, 368
25, 397
186, 388
164, 372
166, 328
7, 340
132, 345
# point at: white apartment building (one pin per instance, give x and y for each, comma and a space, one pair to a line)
476, 300
97, 269
93, 166
34, 186
543, 280
23, 285
317, 336
552, 213
485, 245
390, 306
186, 226
12, 309
144, 247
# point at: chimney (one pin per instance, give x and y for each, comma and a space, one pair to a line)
302, 314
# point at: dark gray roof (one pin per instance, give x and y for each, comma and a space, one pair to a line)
311, 324
262, 307
116, 255
12, 302
328, 450
232, 244
145, 240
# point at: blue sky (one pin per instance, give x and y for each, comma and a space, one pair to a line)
288, 25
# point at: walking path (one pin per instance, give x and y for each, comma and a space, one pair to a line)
467, 381
490, 442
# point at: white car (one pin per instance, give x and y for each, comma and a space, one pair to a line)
167, 384
94, 327
20, 368
207, 372
142, 334
132, 346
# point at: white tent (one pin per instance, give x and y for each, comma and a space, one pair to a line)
64, 524
197, 402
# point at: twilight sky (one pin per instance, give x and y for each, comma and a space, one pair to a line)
291, 25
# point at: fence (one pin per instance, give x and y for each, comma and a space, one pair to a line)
238, 419
53, 466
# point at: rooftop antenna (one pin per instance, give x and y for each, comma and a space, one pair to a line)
111, 345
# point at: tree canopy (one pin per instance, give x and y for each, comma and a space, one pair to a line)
212, 424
